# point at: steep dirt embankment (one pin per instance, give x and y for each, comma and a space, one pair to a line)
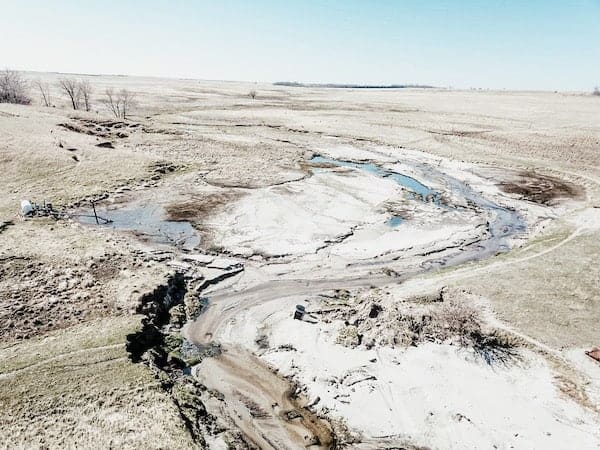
158, 345
213, 407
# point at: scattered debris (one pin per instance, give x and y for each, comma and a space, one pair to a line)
262, 341
455, 320
46, 209
301, 314
98, 219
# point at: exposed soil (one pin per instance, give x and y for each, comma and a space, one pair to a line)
262, 405
543, 189
155, 343
100, 128
199, 208
38, 296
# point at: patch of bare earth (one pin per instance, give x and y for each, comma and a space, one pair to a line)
543, 189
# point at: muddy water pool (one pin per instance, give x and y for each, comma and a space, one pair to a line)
147, 220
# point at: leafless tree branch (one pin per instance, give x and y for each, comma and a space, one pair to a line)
71, 87
85, 92
44, 89
119, 103
13, 88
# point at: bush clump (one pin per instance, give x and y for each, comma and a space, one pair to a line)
13, 88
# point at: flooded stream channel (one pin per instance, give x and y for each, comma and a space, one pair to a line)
502, 224
147, 218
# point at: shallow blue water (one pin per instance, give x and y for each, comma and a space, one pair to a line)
419, 190
148, 220
394, 221
505, 222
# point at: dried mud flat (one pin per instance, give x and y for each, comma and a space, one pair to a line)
441, 245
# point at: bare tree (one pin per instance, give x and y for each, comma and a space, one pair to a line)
112, 103
13, 88
127, 102
119, 103
85, 92
44, 89
71, 87
252, 94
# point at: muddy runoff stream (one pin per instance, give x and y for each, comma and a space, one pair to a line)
220, 387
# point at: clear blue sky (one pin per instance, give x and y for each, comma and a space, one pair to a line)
491, 44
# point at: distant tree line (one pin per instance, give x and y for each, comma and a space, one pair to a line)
15, 89
351, 86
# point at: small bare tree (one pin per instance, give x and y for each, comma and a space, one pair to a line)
111, 102
119, 103
85, 93
127, 102
44, 89
13, 88
70, 86
252, 94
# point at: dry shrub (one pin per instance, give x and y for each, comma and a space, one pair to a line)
13, 88
119, 103
348, 336
496, 346
455, 319
458, 321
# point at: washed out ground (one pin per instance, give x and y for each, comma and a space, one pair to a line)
208, 153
